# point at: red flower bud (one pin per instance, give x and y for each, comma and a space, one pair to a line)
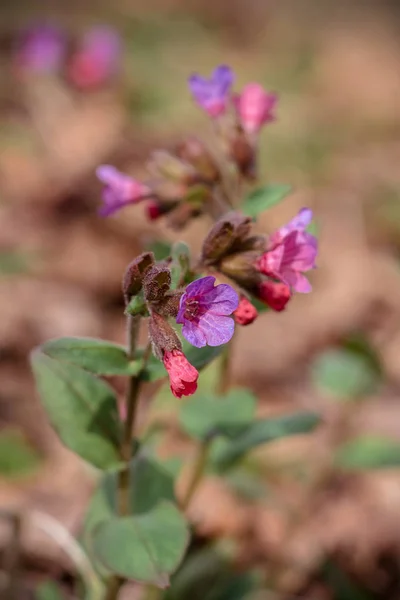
154, 210
276, 295
182, 375
245, 313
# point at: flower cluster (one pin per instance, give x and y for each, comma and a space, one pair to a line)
188, 180
87, 63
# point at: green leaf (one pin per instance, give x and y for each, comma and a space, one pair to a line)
146, 547
368, 452
180, 263
48, 590
264, 198
17, 457
345, 373
81, 408
262, 432
161, 250
206, 415
97, 356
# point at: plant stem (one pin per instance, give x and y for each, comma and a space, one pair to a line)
225, 369
127, 450
197, 473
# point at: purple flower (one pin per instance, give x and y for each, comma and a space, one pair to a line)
41, 49
212, 94
97, 58
204, 311
290, 252
119, 190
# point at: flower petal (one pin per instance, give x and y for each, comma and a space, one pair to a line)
222, 300
199, 287
216, 329
192, 332
297, 281
223, 77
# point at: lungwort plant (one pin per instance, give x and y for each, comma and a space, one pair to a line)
135, 529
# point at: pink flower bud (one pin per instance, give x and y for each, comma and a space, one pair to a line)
254, 107
245, 313
276, 295
182, 375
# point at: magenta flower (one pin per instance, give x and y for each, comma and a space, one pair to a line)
204, 311
119, 190
254, 107
291, 251
41, 49
97, 59
212, 94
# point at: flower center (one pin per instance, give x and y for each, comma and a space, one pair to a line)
192, 309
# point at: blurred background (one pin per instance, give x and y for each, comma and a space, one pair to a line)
315, 517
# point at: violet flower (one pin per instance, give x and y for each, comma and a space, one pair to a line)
97, 59
119, 190
41, 49
204, 311
212, 94
291, 251
254, 107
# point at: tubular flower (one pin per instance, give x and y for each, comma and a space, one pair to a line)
204, 312
254, 107
119, 190
182, 375
212, 94
275, 295
245, 313
41, 49
291, 251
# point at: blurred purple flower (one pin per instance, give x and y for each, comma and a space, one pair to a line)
212, 94
97, 59
254, 107
41, 49
290, 252
119, 190
204, 311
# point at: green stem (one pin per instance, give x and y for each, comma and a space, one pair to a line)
225, 369
197, 473
126, 450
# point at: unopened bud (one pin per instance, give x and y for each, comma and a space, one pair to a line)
167, 165
224, 235
155, 209
240, 267
163, 337
184, 213
134, 274
244, 155
245, 313
275, 294
156, 283
194, 152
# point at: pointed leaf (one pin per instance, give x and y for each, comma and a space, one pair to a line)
369, 452
146, 547
97, 356
262, 432
205, 415
81, 408
264, 198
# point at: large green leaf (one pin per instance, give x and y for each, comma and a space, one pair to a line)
147, 547
368, 452
81, 408
206, 414
97, 356
264, 198
262, 432
345, 373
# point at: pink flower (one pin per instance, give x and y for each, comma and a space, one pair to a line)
254, 107
97, 59
245, 313
291, 251
276, 295
212, 94
182, 375
119, 190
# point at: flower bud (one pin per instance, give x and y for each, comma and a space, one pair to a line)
182, 375
254, 107
240, 267
156, 283
245, 313
134, 274
155, 210
275, 295
163, 337
233, 228
244, 155
167, 165
193, 151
